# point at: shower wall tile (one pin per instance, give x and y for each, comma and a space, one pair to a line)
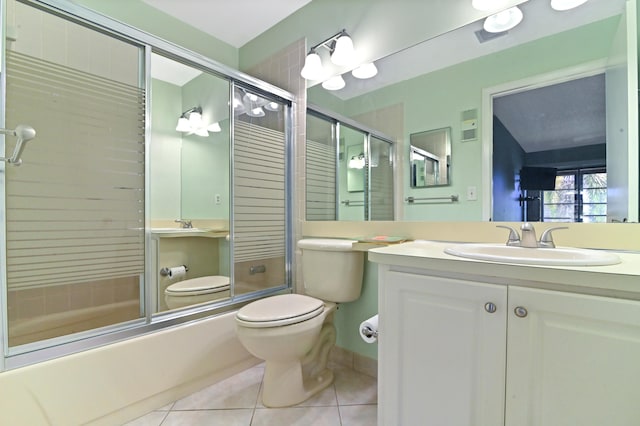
54, 39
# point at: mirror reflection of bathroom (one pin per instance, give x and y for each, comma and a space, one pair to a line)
430, 158
259, 188
550, 152
189, 182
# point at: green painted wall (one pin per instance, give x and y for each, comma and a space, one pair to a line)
164, 151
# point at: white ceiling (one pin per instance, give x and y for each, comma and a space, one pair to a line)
233, 21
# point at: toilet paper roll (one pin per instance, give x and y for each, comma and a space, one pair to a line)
369, 329
177, 272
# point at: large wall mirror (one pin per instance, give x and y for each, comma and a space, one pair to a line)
468, 70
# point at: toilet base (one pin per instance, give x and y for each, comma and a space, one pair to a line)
284, 385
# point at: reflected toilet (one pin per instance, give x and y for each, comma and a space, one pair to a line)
196, 290
294, 333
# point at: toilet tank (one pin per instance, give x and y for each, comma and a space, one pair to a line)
331, 270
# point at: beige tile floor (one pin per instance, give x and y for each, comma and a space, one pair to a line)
350, 401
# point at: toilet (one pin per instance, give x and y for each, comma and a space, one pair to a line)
196, 290
294, 333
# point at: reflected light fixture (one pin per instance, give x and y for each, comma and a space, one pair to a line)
214, 127
503, 21
566, 4
356, 162
255, 112
334, 83
488, 4
367, 70
272, 106
191, 122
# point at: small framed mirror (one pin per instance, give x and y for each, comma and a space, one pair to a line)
430, 158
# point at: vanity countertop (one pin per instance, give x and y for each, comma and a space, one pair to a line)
620, 280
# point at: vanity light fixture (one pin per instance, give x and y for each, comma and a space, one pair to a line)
191, 122
255, 112
341, 52
367, 70
503, 21
334, 83
566, 4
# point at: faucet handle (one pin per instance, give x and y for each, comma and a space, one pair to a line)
514, 237
546, 239
185, 224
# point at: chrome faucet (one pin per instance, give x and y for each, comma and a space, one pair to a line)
184, 224
528, 238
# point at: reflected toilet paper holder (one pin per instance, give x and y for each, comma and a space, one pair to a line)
166, 272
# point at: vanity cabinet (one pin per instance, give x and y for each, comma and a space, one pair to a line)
462, 352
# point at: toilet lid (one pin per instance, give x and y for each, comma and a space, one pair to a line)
197, 286
279, 310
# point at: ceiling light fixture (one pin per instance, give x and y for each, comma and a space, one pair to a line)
562, 5
367, 70
334, 83
503, 21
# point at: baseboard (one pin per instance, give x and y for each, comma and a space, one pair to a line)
355, 361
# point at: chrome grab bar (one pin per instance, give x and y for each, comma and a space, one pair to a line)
451, 199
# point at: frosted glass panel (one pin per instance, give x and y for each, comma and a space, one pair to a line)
75, 208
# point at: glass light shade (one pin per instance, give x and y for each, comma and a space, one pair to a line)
183, 125
256, 112
566, 4
365, 71
503, 21
334, 83
312, 69
214, 127
201, 131
272, 106
356, 162
343, 51
250, 97
237, 103
195, 120
488, 4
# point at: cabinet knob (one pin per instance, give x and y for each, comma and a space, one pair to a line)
490, 307
520, 311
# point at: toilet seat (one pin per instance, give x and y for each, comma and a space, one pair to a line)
199, 286
277, 311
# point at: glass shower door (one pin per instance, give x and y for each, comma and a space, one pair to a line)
75, 208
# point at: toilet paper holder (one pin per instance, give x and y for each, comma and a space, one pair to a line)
369, 332
165, 271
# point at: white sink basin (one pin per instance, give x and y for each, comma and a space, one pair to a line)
559, 256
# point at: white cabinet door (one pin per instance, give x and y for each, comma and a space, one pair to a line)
441, 353
572, 360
